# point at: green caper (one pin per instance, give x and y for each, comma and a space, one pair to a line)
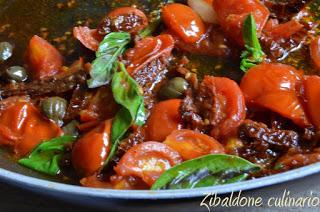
6, 50
55, 109
17, 73
71, 128
174, 88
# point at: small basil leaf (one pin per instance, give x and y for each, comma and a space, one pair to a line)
46, 156
206, 171
253, 54
112, 46
127, 93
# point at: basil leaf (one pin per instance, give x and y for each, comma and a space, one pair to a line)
127, 93
46, 156
112, 46
253, 54
206, 171
155, 19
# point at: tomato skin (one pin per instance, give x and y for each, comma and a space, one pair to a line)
88, 37
90, 151
283, 31
148, 161
315, 52
44, 59
165, 118
229, 109
191, 144
147, 50
19, 121
183, 21
232, 13
274, 87
312, 97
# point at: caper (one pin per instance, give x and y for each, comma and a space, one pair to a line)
71, 128
6, 50
55, 109
174, 88
17, 73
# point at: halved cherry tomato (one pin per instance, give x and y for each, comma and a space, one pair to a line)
88, 37
148, 161
191, 144
315, 52
228, 109
183, 21
312, 97
274, 86
43, 58
165, 118
128, 19
147, 50
23, 127
90, 151
232, 13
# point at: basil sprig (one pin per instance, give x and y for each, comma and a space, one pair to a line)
45, 158
253, 54
206, 171
128, 94
112, 46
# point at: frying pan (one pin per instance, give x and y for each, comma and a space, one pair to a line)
26, 18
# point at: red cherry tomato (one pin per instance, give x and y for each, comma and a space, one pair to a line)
183, 21
148, 161
228, 109
90, 151
19, 120
232, 13
43, 58
315, 52
120, 15
312, 97
191, 144
273, 86
147, 50
165, 118
283, 31
88, 37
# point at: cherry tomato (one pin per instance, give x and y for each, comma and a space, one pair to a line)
94, 181
128, 19
90, 151
149, 49
228, 109
88, 37
273, 86
128, 183
22, 126
191, 144
148, 161
312, 97
165, 118
43, 58
183, 21
232, 13
315, 52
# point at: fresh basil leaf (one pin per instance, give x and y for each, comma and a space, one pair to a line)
253, 54
155, 19
206, 171
127, 93
45, 158
112, 46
